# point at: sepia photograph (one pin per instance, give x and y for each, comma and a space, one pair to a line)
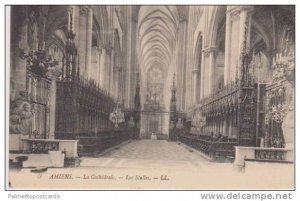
150, 97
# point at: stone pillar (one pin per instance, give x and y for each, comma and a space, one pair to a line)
127, 59
52, 108
53, 74
76, 19
70, 11
95, 64
205, 76
227, 49
190, 88
237, 38
18, 65
102, 68
82, 38
189, 58
195, 74
244, 42
133, 66
89, 32
112, 55
181, 64
202, 76
117, 82
211, 54
108, 68
42, 18
98, 66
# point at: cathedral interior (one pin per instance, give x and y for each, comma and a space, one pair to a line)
84, 79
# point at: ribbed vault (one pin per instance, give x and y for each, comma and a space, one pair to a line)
157, 28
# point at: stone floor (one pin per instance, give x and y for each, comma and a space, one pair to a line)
155, 164
159, 154
155, 150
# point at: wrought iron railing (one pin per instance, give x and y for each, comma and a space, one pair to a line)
212, 147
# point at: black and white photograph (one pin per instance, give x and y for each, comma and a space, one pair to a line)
150, 97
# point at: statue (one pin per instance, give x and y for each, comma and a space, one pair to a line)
21, 118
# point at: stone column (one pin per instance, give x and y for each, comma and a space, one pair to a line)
82, 36
53, 74
108, 68
76, 19
227, 49
181, 78
112, 55
89, 42
189, 59
70, 11
128, 51
195, 74
238, 38
134, 68
190, 88
98, 66
211, 52
245, 26
202, 76
18, 65
95, 64
117, 82
42, 18
102, 68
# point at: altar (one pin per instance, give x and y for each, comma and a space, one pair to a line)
154, 125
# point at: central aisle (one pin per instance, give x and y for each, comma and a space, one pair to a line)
155, 150
159, 154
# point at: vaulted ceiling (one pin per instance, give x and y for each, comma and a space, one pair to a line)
157, 28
